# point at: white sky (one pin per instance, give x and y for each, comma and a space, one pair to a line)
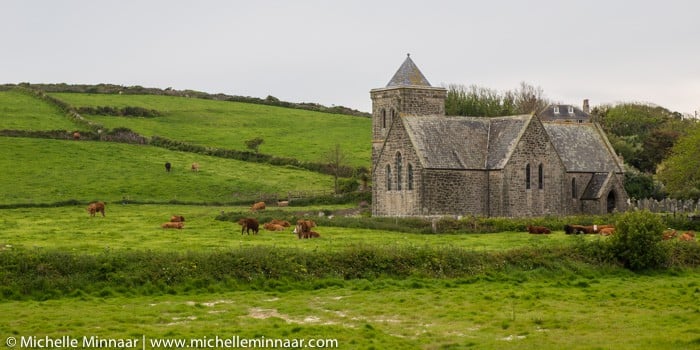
334, 52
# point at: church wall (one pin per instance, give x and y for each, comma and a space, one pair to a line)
395, 202
576, 204
534, 149
453, 192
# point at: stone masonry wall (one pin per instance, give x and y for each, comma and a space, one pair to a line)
534, 148
395, 202
450, 192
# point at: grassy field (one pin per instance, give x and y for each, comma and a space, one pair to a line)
123, 276
584, 308
19, 111
622, 311
137, 227
45, 171
293, 133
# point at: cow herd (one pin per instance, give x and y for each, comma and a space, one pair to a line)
606, 230
303, 228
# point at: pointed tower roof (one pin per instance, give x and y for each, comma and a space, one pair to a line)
408, 74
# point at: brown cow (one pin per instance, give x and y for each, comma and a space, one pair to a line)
257, 206
248, 224
96, 207
280, 222
687, 236
606, 231
538, 230
668, 234
273, 227
170, 224
177, 218
575, 229
303, 229
195, 167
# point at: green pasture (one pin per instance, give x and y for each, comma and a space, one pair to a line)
287, 132
137, 227
19, 111
619, 311
47, 171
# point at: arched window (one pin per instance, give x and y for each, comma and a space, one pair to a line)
393, 114
573, 188
398, 167
527, 176
383, 118
388, 177
410, 177
540, 176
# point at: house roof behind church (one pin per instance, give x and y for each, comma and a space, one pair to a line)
464, 142
408, 75
582, 148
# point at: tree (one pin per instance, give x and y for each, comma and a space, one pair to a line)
637, 240
529, 99
479, 101
254, 143
336, 160
680, 172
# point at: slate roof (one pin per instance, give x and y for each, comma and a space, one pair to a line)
564, 115
596, 185
408, 75
464, 142
583, 147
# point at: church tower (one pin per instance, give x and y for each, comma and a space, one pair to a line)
407, 93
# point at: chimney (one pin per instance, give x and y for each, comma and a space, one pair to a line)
586, 107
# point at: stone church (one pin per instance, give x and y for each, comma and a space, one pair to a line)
425, 163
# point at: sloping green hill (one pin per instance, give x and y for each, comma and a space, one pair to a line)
291, 133
46, 171
19, 111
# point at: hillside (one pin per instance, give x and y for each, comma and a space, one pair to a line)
292, 133
41, 170
46, 171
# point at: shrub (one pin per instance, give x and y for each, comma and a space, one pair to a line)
637, 240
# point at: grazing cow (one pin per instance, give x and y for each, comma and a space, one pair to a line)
167, 166
273, 227
170, 224
282, 203
257, 206
195, 167
606, 231
177, 218
283, 223
538, 230
592, 229
303, 229
687, 236
668, 234
96, 207
76, 136
248, 224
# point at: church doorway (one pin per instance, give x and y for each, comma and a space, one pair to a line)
611, 201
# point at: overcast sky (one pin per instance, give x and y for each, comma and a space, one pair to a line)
334, 52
